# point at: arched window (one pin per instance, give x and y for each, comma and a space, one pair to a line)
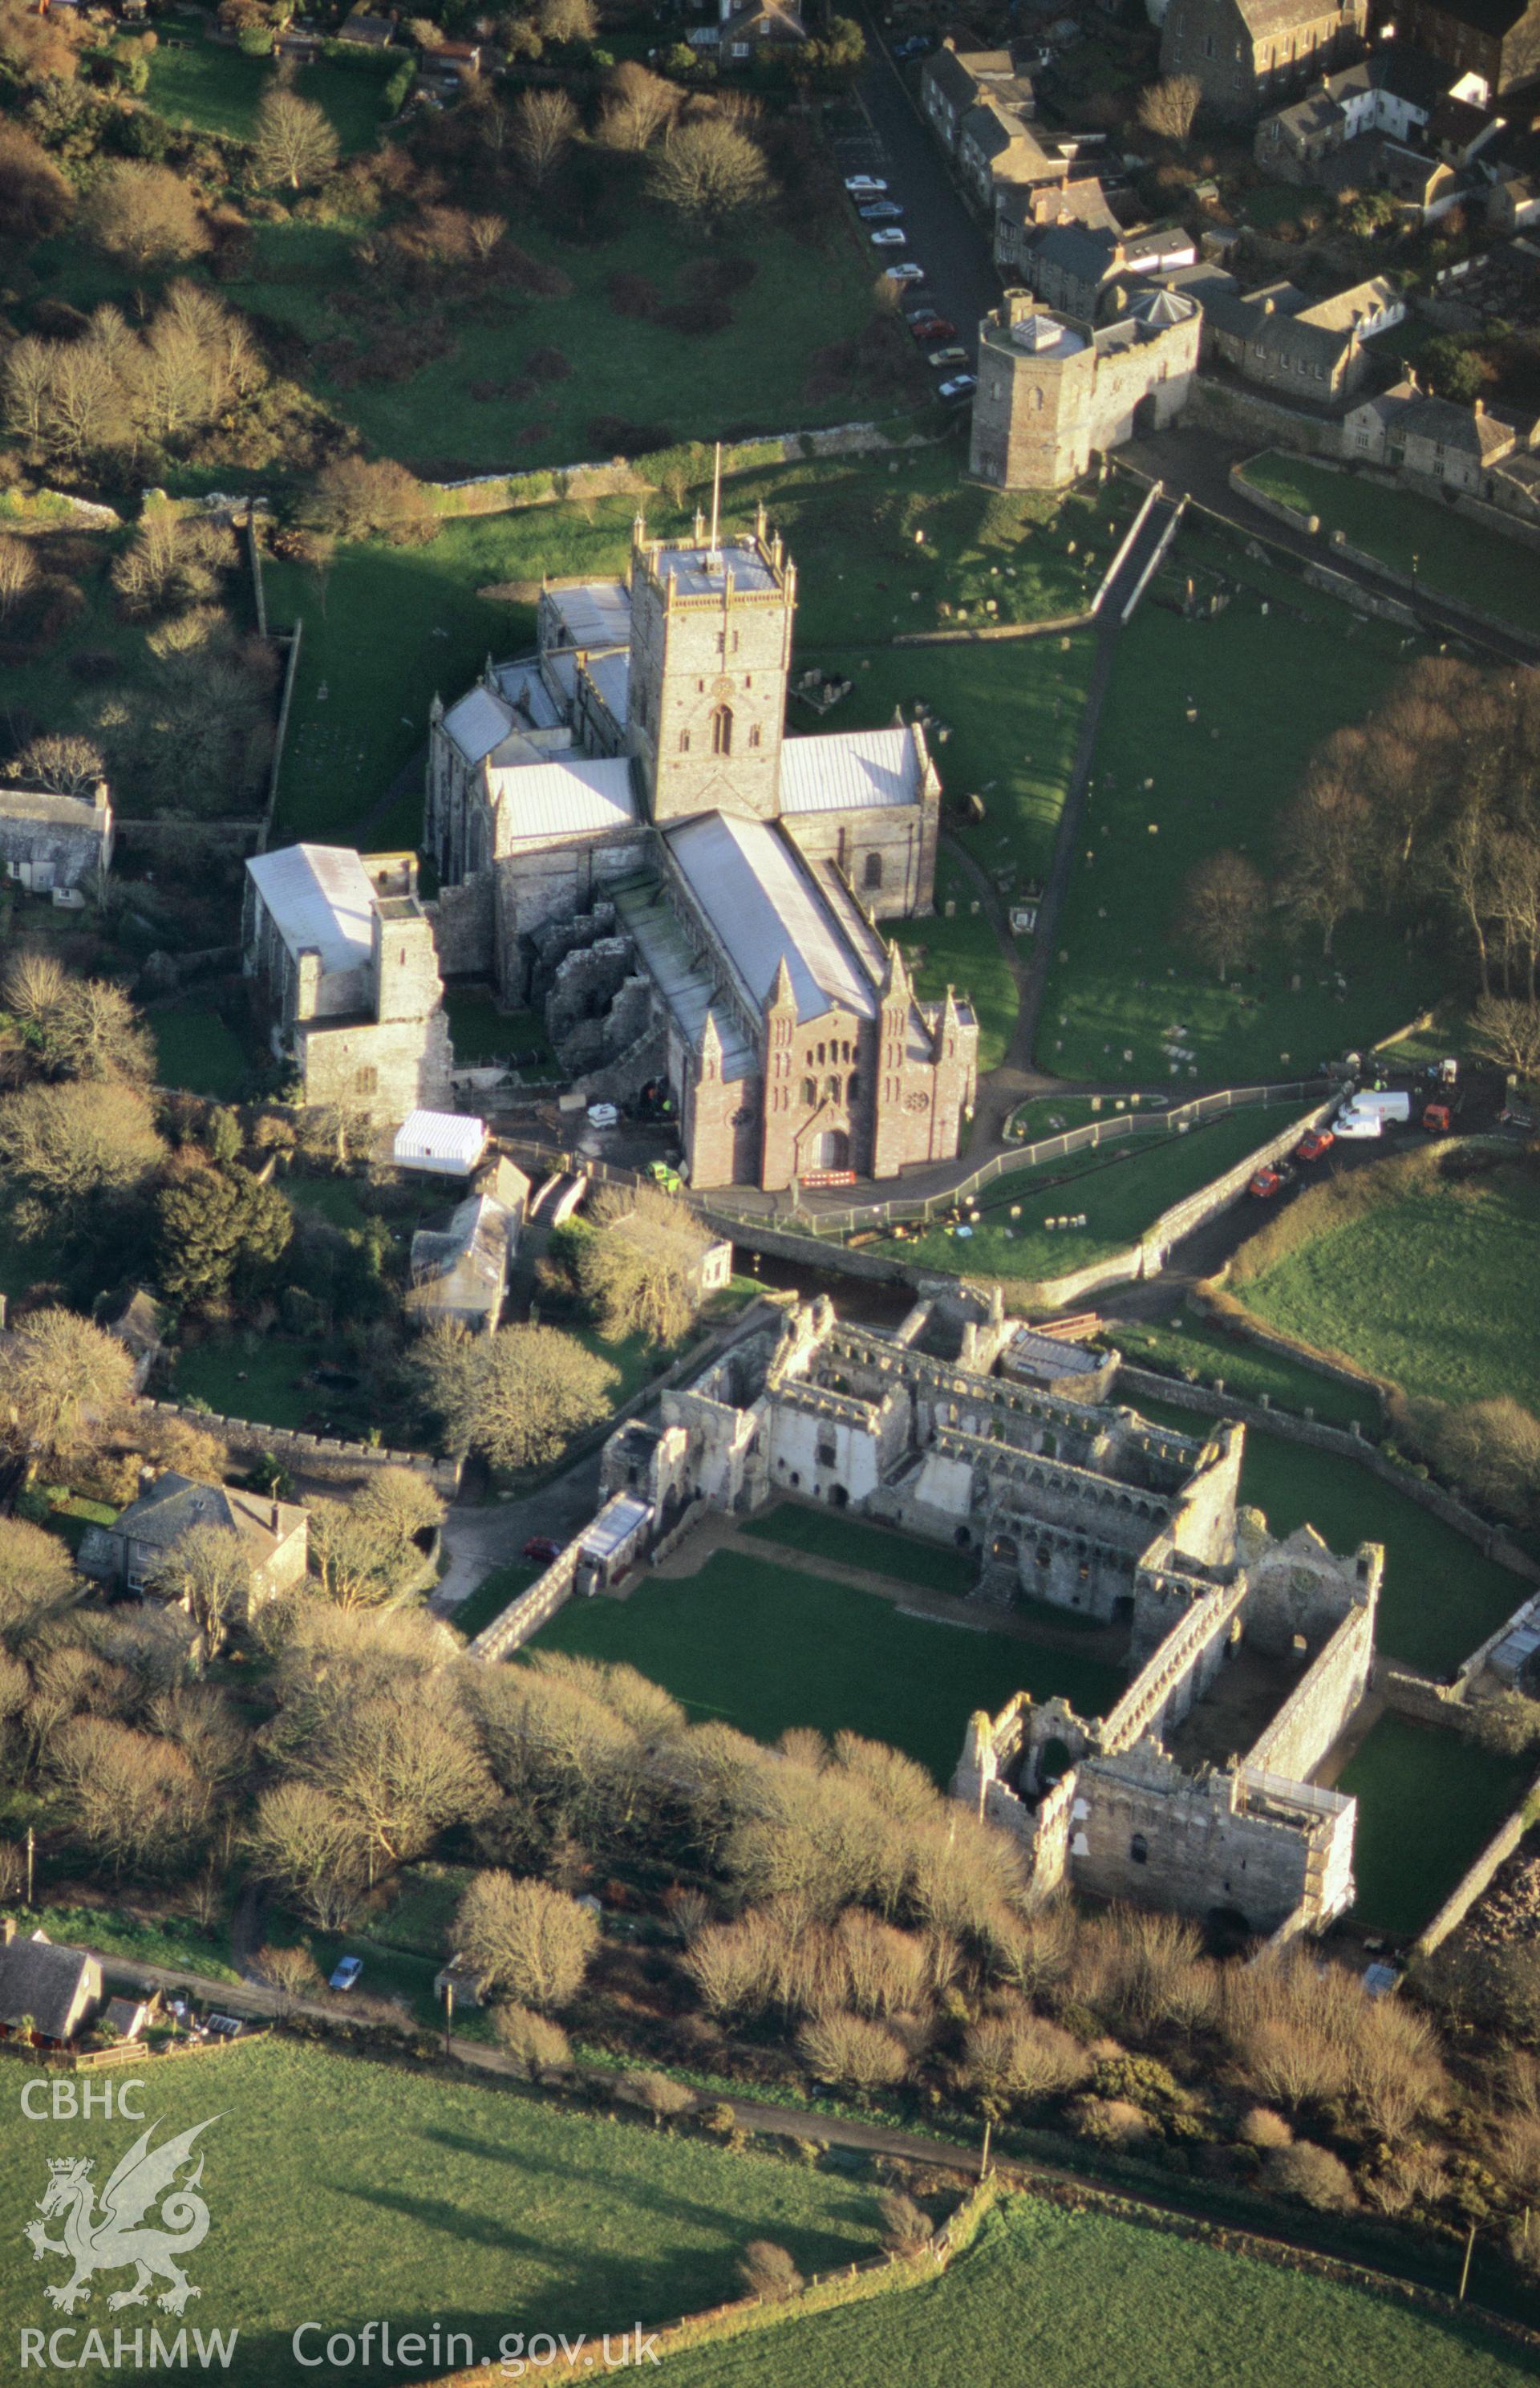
831, 1090
684, 742
809, 1092
1139, 1850
872, 876
754, 735
721, 731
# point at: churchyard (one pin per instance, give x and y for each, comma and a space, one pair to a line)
1125, 1002
1444, 551
501, 2210
1059, 2283
1428, 1802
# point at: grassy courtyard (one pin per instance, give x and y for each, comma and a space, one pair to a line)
763, 1645
1048, 2299
1459, 558
343, 2192
1122, 1196
1265, 688
1428, 1802
1436, 1288
197, 1050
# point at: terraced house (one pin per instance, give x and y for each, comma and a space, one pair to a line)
1248, 54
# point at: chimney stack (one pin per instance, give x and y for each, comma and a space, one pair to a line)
276, 1520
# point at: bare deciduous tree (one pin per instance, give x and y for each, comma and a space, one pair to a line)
709, 171
17, 573
146, 216
545, 126
518, 1395
1223, 898
65, 761
292, 1974
638, 105
1169, 107
134, 1799
293, 142
656, 2094
61, 1379
309, 1848
768, 2272
853, 2051
208, 1572
532, 1940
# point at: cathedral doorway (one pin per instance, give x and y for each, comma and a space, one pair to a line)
831, 1148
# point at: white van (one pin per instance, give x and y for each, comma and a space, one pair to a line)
1351, 1123
1388, 1106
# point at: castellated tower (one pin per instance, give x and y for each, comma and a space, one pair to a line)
1034, 410
711, 644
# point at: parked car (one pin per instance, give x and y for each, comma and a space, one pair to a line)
865, 185
908, 271
944, 359
929, 327
889, 237
603, 1115
346, 1973
1311, 1147
880, 212
960, 386
541, 1549
915, 48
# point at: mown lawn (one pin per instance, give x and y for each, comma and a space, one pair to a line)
965, 953
492, 1597
1411, 534
251, 1376
1189, 1343
1438, 1290
854, 1542
204, 87
342, 2193
763, 1646
1428, 1801
1121, 1197
114, 1931
195, 1050
1266, 689
1046, 2299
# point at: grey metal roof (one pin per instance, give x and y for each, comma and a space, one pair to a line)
479, 722
522, 683
759, 896
319, 896
548, 799
611, 677
593, 613
850, 771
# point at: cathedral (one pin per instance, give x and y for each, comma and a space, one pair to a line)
627, 840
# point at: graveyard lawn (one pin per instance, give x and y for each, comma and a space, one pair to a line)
342, 2192
1124, 1000
763, 1646
1414, 535
1122, 1196
204, 86
1048, 2299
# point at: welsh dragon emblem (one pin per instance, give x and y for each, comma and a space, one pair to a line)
119, 2235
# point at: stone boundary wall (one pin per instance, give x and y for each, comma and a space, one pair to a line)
281, 733
1334, 545
1474, 1880
313, 1455
1196, 1210
512, 1627
1406, 1693
1247, 1329
1236, 412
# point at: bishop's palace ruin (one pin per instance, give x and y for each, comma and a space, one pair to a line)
1246, 1655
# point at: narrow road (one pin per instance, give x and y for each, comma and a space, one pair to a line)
798, 2123
944, 235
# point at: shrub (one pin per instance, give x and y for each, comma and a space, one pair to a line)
533, 2042
849, 2049
1110, 2122
768, 2272
1312, 2174
1261, 2127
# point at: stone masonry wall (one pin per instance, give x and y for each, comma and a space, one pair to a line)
1322, 1702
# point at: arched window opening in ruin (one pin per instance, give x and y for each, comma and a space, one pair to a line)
1054, 1761
871, 872
1139, 1850
1044, 1557
721, 731
839, 1496
964, 1539
1003, 1549
796, 1478
754, 735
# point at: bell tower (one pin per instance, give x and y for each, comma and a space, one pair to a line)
711, 643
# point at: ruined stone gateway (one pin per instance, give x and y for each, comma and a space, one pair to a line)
1247, 1656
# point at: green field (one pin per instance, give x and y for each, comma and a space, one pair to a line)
492, 1597
205, 87
1266, 689
763, 1646
341, 2191
251, 1376
1121, 1197
1046, 2299
1414, 535
1428, 1802
1438, 1290
1440, 1598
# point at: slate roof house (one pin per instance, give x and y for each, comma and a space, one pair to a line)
458, 1265
128, 1554
1314, 349
1434, 441
58, 1988
1252, 53
52, 844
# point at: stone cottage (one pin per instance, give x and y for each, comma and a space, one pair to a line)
1248, 54
48, 1990
53, 844
128, 1554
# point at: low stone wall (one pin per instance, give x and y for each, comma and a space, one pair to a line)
1363, 601
513, 1626
1472, 1884
1236, 412
1247, 1329
1196, 1210
312, 1454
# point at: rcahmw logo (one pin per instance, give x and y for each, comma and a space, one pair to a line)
125, 2234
